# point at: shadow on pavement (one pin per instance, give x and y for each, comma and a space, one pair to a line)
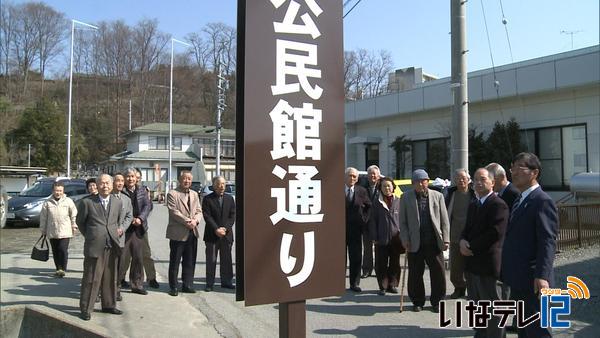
395, 331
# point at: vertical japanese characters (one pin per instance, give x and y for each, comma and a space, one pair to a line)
296, 129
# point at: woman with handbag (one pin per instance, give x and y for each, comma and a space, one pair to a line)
57, 223
384, 230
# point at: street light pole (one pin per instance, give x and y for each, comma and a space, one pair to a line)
168, 187
73, 22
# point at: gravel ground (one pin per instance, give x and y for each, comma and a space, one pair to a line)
583, 263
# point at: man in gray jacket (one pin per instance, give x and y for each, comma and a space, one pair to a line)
98, 219
424, 234
118, 185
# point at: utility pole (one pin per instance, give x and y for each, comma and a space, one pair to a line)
222, 85
460, 110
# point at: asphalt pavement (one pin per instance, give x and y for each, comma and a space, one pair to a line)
213, 314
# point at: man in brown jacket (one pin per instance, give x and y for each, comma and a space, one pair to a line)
185, 213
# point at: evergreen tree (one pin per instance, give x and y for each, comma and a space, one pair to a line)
401, 146
504, 142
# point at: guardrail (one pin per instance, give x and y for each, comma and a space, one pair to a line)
579, 225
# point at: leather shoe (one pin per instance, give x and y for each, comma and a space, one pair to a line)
173, 292
228, 286
381, 292
417, 308
153, 284
365, 275
113, 311
392, 290
355, 288
124, 284
85, 316
208, 288
458, 293
139, 291
435, 309
185, 289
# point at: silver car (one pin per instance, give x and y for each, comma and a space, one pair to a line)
26, 207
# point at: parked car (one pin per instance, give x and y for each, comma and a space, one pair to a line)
229, 189
3, 206
26, 207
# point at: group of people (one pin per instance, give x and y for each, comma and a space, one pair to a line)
113, 219
501, 236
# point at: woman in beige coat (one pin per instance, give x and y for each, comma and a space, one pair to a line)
57, 222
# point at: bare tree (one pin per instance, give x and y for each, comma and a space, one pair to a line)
50, 28
7, 36
26, 41
365, 73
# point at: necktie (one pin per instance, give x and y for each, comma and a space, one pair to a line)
104, 204
221, 201
349, 195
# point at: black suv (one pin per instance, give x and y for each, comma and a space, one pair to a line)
26, 207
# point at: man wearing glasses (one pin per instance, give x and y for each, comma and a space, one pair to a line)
530, 241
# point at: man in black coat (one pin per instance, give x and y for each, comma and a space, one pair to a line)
506, 190
372, 186
219, 213
358, 205
481, 244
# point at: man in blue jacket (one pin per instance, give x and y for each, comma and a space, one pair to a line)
530, 241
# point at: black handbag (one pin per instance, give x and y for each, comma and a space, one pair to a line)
41, 252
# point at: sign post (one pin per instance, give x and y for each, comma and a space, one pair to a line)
290, 159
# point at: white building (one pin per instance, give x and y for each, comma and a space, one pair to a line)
555, 100
148, 150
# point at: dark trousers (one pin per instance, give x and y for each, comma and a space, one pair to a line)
222, 248
133, 252
387, 266
354, 244
532, 305
148, 262
99, 276
416, 269
457, 267
60, 252
367, 258
183, 252
486, 288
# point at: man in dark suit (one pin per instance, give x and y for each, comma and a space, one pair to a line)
182, 231
134, 236
358, 205
507, 191
530, 242
481, 244
99, 218
372, 186
219, 213
424, 228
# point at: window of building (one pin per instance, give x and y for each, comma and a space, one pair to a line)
433, 155
562, 152
208, 145
371, 154
228, 148
162, 143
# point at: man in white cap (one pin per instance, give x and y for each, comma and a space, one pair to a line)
424, 234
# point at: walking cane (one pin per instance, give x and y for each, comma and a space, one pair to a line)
403, 277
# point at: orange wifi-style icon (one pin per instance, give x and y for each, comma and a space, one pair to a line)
577, 288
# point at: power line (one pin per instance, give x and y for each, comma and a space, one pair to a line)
504, 22
346, 3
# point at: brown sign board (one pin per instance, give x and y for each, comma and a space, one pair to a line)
293, 155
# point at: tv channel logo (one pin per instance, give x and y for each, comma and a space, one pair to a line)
555, 303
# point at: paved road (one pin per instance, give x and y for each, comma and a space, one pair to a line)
362, 315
